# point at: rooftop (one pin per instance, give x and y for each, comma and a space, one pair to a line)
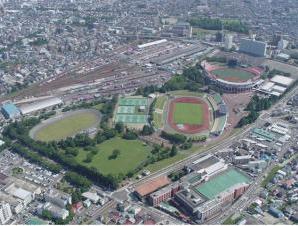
282, 80
153, 185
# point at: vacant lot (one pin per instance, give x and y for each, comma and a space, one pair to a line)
66, 125
132, 153
188, 113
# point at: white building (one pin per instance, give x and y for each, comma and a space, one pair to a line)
92, 196
58, 198
228, 41
56, 211
5, 212
282, 80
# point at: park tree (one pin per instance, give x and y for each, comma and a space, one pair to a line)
119, 126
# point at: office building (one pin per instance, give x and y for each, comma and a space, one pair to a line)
253, 47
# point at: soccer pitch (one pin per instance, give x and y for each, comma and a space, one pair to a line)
188, 113
233, 75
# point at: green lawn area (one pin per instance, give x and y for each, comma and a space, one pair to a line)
165, 162
98, 106
67, 126
132, 153
157, 119
186, 93
188, 113
233, 74
160, 102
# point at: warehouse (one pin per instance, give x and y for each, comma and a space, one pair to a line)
36, 106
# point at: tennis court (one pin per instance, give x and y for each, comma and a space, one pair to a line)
126, 110
222, 182
126, 118
133, 102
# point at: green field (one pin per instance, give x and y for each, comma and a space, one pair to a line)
132, 153
233, 75
220, 183
157, 119
186, 93
66, 127
160, 102
188, 113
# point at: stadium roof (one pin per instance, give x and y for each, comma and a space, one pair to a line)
222, 182
151, 43
28, 108
151, 186
282, 80
263, 134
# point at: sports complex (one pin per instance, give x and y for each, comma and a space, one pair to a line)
191, 114
232, 79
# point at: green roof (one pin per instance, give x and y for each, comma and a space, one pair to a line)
36, 221
220, 183
263, 134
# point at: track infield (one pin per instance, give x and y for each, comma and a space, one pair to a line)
189, 115
65, 125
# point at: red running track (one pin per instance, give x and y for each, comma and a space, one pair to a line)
189, 128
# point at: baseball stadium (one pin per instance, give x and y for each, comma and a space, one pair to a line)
232, 80
191, 114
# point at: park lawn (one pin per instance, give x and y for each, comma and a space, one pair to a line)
165, 162
98, 106
160, 102
231, 73
132, 153
188, 113
67, 127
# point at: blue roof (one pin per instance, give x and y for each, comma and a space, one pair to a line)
10, 109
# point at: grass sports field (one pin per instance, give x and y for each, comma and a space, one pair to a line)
233, 74
160, 102
221, 183
67, 126
188, 113
132, 153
